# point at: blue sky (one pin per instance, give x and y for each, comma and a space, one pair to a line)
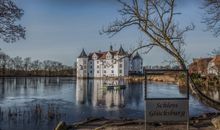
59, 29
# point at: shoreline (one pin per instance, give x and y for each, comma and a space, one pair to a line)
159, 78
202, 122
128, 78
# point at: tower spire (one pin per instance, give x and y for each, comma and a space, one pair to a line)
121, 51
111, 48
83, 54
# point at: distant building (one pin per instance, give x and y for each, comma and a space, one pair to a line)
199, 65
214, 66
206, 65
111, 63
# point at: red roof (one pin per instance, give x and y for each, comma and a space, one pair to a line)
102, 55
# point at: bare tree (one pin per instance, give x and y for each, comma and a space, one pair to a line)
27, 64
212, 15
155, 18
10, 31
36, 66
3, 62
18, 63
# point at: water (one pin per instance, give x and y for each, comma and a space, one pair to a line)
73, 100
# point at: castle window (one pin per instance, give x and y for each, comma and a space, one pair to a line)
81, 67
104, 71
97, 71
112, 66
84, 62
84, 67
97, 66
97, 62
112, 71
120, 71
90, 71
91, 67
120, 65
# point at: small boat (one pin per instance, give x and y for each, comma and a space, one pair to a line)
115, 87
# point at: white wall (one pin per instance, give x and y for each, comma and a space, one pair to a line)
97, 68
91, 68
111, 67
212, 69
82, 67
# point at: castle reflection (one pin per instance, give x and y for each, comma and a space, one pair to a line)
95, 93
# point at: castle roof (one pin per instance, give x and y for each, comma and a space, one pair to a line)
83, 54
121, 51
102, 55
137, 56
113, 53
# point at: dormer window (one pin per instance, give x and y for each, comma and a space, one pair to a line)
94, 56
108, 56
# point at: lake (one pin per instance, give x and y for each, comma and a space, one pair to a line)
39, 103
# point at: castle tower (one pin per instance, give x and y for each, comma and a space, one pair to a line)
82, 65
123, 63
137, 64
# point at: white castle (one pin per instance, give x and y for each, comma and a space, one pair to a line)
112, 63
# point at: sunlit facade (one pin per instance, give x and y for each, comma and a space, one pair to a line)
112, 63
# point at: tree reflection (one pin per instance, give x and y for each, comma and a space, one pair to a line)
211, 91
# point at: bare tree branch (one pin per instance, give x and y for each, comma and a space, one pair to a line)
9, 14
148, 46
212, 16
155, 19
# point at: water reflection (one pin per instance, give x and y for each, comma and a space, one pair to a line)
80, 99
18, 90
94, 92
81, 90
91, 95
212, 92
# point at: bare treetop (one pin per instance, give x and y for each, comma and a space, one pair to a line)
212, 16
10, 31
155, 18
